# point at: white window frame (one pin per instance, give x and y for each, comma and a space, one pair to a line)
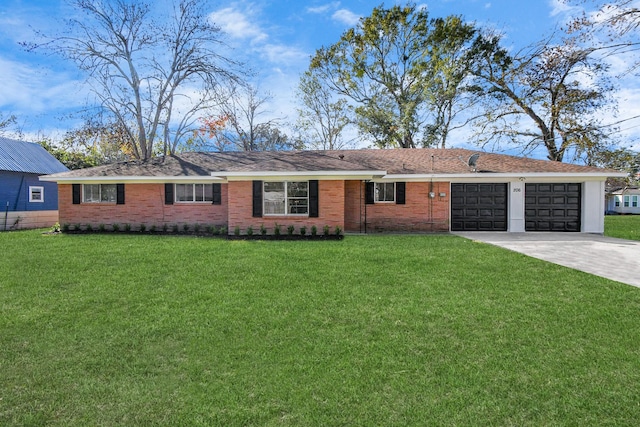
634, 201
627, 201
194, 187
376, 192
33, 188
287, 199
101, 193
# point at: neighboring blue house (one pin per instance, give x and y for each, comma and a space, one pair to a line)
25, 201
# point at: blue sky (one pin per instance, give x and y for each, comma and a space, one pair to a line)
275, 37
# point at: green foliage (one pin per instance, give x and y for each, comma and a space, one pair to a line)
326, 230
401, 69
127, 227
338, 230
314, 230
303, 230
622, 226
143, 228
236, 230
249, 231
115, 227
185, 227
102, 227
276, 229
290, 230
263, 230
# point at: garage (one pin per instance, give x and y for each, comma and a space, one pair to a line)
552, 207
479, 207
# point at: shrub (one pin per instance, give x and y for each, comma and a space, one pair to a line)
102, 227
65, 227
88, 227
196, 227
276, 229
185, 227
115, 227
338, 230
165, 227
127, 227
175, 228
143, 228
326, 230
314, 230
153, 228
263, 229
223, 230
249, 231
236, 230
303, 230
55, 228
211, 229
77, 227
290, 230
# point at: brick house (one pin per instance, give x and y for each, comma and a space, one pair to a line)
365, 191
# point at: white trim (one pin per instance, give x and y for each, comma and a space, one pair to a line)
472, 177
134, 179
288, 175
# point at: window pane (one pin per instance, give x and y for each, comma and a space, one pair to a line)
91, 193
199, 191
208, 192
108, 193
297, 189
274, 200
298, 206
634, 201
626, 201
184, 192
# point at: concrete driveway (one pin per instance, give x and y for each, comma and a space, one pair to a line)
614, 259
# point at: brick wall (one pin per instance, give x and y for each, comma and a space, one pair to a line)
420, 213
144, 204
330, 212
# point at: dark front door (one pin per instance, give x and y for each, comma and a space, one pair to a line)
479, 207
552, 207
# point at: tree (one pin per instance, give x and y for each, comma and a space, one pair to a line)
550, 96
139, 69
243, 124
613, 27
6, 123
398, 67
321, 118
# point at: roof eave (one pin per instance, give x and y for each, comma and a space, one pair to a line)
337, 175
129, 179
502, 175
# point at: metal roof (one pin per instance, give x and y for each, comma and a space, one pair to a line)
27, 157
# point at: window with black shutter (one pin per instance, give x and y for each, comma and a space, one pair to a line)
168, 194
257, 199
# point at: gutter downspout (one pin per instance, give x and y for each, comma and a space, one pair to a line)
6, 214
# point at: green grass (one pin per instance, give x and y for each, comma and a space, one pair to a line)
372, 330
622, 226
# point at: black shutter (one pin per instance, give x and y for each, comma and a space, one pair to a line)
369, 193
168, 194
257, 199
217, 194
76, 189
119, 194
313, 198
400, 193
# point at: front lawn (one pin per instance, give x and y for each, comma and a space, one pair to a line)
622, 226
372, 330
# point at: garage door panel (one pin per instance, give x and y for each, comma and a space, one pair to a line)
478, 207
552, 207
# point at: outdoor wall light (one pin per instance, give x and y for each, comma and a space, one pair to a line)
443, 194
432, 195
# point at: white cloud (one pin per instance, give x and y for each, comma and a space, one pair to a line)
324, 8
283, 54
238, 24
345, 16
559, 7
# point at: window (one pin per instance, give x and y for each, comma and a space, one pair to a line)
99, 193
194, 193
626, 201
385, 192
617, 201
634, 201
286, 198
36, 194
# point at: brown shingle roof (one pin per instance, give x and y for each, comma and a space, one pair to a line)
393, 161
